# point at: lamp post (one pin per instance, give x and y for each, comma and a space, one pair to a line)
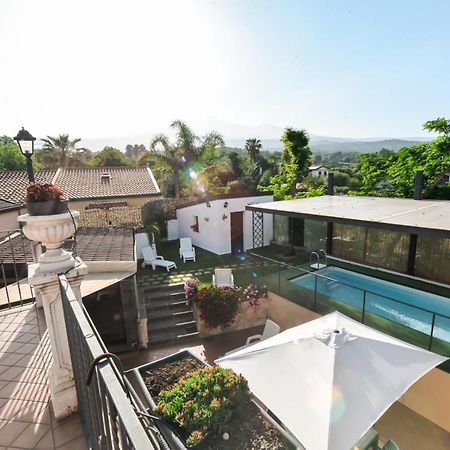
26, 144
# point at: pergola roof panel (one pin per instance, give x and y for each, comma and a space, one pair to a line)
431, 217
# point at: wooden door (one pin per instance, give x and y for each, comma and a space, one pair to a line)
237, 232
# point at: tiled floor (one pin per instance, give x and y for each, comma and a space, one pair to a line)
26, 417
407, 428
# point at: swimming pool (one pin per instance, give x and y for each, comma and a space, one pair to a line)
380, 299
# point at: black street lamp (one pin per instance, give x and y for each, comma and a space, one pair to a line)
26, 145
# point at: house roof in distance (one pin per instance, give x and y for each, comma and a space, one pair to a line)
84, 183
13, 184
93, 244
428, 217
8, 206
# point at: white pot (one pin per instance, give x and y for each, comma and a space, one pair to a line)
52, 231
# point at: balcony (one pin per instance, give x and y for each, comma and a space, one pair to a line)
111, 417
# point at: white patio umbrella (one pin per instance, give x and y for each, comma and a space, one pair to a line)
331, 379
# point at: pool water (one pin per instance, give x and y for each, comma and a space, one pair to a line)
381, 299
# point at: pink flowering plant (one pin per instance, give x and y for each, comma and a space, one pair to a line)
190, 290
254, 293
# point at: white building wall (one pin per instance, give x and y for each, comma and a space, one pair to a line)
141, 241
214, 230
8, 220
172, 230
320, 172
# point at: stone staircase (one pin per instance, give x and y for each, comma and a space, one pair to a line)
169, 319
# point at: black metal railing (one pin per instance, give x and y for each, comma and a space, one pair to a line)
16, 252
106, 407
277, 288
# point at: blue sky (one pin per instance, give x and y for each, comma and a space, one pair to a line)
113, 68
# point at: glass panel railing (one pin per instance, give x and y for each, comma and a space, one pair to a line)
402, 321
440, 343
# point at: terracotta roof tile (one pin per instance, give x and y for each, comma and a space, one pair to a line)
14, 183
84, 183
93, 244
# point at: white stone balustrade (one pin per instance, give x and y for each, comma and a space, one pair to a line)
43, 276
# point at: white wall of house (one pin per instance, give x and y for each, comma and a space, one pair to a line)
172, 230
214, 223
141, 240
319, 172
8, 220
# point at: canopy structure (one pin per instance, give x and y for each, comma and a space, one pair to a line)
331, 379
428, 217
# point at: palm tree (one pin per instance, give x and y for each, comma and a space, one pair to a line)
253, 148
58, 151
173, 163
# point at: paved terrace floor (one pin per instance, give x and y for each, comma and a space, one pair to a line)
26, 417
407, 428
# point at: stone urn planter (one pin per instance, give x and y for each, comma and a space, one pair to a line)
247, 317
51, 231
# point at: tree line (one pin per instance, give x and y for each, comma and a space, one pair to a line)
192, 165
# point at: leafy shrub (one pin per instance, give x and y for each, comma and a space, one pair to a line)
254, 293
190, 290
43, 192
203, 401
218, 305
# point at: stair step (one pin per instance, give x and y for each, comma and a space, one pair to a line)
167, 314
155, 327
150, 298
186, 324
192, 335
168, 338
166, 305
164, 288
169, 319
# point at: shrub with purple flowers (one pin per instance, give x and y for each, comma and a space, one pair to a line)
254, 293
190, 289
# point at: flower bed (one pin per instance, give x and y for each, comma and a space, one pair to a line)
222, 310
179, 398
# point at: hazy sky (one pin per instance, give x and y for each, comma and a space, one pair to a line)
335, 67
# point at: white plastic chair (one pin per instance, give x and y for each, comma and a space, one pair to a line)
270, 329
223, 278
151, 259
187, 251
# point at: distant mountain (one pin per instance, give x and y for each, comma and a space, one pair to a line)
319, 144
324, 145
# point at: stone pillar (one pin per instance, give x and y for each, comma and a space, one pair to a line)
52, 230
62, 386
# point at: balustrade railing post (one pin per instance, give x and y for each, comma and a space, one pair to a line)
364, 306
430, 342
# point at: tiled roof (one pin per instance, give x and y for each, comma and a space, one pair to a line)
5, 205
84, 183
13, 184
93, 244
104, 244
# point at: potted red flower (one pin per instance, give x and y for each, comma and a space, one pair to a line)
44, 199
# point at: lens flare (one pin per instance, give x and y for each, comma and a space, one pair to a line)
193, 174
339, 405
254, 274
183, 159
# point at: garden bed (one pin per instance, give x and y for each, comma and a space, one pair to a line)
248, 429
246, 317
